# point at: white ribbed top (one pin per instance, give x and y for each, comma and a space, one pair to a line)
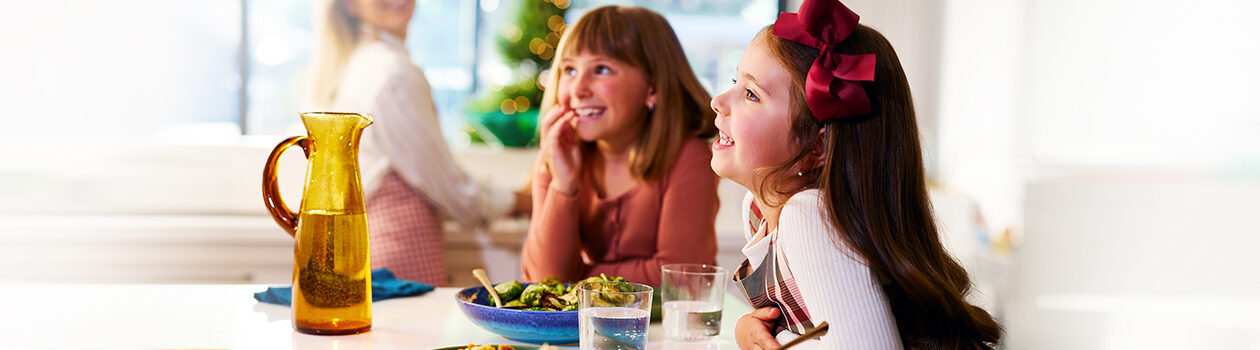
836, 284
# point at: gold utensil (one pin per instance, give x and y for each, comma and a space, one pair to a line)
810, 334
480, 274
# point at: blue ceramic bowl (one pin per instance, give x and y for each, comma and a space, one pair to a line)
553, 327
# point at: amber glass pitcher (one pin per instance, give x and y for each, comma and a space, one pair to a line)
332, 280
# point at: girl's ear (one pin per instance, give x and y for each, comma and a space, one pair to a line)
651, 98
817, 153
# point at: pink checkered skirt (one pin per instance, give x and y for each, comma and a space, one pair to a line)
405, 232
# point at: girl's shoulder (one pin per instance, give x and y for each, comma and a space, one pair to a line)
808, 200
804, 224
803, 216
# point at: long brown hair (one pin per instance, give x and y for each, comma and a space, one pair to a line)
643, 39
875, 194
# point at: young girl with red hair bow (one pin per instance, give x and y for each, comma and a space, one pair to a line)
820, 127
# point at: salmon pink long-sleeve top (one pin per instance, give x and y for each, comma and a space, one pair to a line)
656, 222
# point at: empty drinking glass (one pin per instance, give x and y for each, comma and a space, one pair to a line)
692, 296
613, 315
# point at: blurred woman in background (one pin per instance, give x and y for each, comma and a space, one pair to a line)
409, 177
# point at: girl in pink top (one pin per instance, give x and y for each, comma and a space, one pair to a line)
622, 183
820, 127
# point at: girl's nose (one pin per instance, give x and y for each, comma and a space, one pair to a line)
718, 104
581, 88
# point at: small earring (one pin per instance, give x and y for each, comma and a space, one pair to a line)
651, 107
800, 173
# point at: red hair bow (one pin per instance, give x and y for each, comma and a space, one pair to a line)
831, 87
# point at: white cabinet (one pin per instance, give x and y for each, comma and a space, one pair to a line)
143, 249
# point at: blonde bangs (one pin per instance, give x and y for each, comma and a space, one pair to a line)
606, 31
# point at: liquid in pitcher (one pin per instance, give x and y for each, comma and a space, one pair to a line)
332, 274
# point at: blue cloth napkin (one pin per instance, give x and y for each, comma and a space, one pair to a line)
384, 286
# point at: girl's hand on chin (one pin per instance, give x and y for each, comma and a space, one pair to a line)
560, 148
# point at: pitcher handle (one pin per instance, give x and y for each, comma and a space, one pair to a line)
271, 186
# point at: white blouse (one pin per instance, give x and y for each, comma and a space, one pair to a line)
835, 282
380, 79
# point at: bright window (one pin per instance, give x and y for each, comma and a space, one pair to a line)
208, 71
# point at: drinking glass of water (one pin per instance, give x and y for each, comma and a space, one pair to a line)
692, 296
613, 315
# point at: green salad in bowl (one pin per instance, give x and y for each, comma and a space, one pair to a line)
544, 312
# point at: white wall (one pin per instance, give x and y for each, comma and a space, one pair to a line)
1118, 138
979, 149
1162, 83
1039, 88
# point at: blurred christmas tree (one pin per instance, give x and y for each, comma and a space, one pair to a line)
527, 42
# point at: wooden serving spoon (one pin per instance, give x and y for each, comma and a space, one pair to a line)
480, 274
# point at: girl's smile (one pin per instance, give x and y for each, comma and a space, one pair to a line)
723, 141
589, 113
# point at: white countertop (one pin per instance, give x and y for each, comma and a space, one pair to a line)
139, 316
